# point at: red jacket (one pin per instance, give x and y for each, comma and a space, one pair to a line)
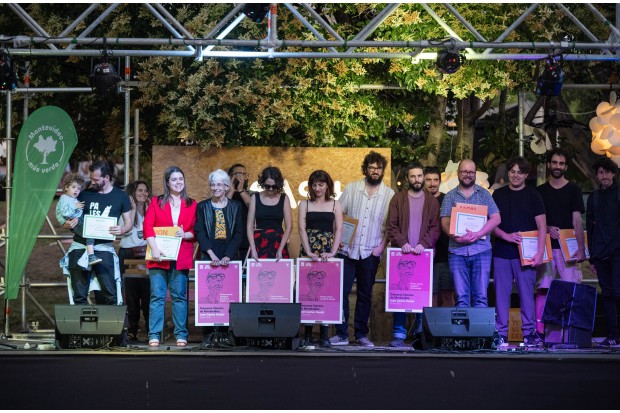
155, 216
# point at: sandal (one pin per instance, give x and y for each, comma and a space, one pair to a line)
153, 342
181, 342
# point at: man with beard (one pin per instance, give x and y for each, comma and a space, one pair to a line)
367, 201
564, 205
470, 254
443, 282
603, 223
102, 199
522, 209
413, 225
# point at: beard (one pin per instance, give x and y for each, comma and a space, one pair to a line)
467, 185
557, 173
416, 187
374, 181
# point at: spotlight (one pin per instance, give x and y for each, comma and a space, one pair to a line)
552, 78
8, 77
449, 62
256, 11
104, 79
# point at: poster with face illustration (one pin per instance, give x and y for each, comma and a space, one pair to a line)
409, 281
319, 290
269, 281
214, 289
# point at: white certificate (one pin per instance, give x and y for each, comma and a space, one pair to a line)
168, 246
571, 244
529, 246
472, 222
99, 227
348, 229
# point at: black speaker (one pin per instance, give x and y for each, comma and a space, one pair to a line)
458, 328
267, 325
89, 326
569, 314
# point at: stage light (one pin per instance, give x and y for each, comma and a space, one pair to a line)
449, 62
552, 78
8, 77
256, 11
104, 79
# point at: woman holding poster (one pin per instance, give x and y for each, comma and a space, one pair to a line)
320, 230
267, 210
172, 209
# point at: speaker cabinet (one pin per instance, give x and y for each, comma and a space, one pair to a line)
89, 326
268, 325
569, 314
458, 328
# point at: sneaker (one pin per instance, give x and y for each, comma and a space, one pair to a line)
364, 342
324, 342
397, 342
610, 341
93, 259
502, 341
306, 344
533, 339
339, 341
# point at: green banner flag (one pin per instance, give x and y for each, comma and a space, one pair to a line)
44, 147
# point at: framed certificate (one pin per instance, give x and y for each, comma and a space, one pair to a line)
349, 226
98, 227
528, 247
269, 281
568, 244
467, 217
168, 246
159, 231
319, 290
409, 281
214, 289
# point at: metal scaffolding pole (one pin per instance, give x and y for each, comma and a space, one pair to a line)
9, 172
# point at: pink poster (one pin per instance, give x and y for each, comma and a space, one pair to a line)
214, 289
319, 290
409, 281
269, 281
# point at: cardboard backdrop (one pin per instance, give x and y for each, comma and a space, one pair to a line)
296, 164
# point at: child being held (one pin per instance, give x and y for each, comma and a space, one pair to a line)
69, 207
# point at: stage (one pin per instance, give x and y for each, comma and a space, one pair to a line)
348, 377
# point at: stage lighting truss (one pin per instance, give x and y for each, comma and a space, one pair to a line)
449, 61
550, 82
8, 76
104, 79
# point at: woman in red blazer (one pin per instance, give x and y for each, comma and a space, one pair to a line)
173, 208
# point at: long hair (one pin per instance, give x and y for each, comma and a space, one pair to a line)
131, 189
165, 198
321, 176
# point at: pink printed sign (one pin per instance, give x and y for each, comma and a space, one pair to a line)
269, 281
409, 281
214, 289
319, 290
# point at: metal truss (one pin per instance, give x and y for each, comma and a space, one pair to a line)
35, 41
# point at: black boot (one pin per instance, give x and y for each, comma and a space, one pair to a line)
307, 335
324, 338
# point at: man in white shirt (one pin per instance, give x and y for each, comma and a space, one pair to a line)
366, 200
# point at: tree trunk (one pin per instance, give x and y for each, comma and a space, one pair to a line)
469, 111
436, 129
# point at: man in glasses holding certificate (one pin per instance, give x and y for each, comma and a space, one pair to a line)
470, 246
522, 210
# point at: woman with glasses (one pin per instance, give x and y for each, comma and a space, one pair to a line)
172, 209
268, 209
133, 245
320, 230
218, 231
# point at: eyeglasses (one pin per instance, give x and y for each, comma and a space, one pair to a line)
375, 168
406, 265
272, 187
316, 274
267, 274
218, 277
467, 172
244, 174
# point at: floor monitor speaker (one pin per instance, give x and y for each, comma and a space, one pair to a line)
89, 326
458, 328
268, 325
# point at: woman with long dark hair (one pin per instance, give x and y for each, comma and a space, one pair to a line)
173, 208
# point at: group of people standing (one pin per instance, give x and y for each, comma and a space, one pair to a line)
235, 224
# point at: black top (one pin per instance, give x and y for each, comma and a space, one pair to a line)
560, 205
441, 246
112, 204
244, 218
323, 221
517, 210
269, 216
603, 222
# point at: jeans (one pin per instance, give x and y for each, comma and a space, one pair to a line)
364, 270
608, 273
471, 278
161, 280
80, 278
505, 271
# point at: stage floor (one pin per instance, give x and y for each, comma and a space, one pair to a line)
347, 377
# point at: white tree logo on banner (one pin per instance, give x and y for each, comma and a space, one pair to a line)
41, 144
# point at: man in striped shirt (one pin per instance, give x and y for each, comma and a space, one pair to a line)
366, 200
